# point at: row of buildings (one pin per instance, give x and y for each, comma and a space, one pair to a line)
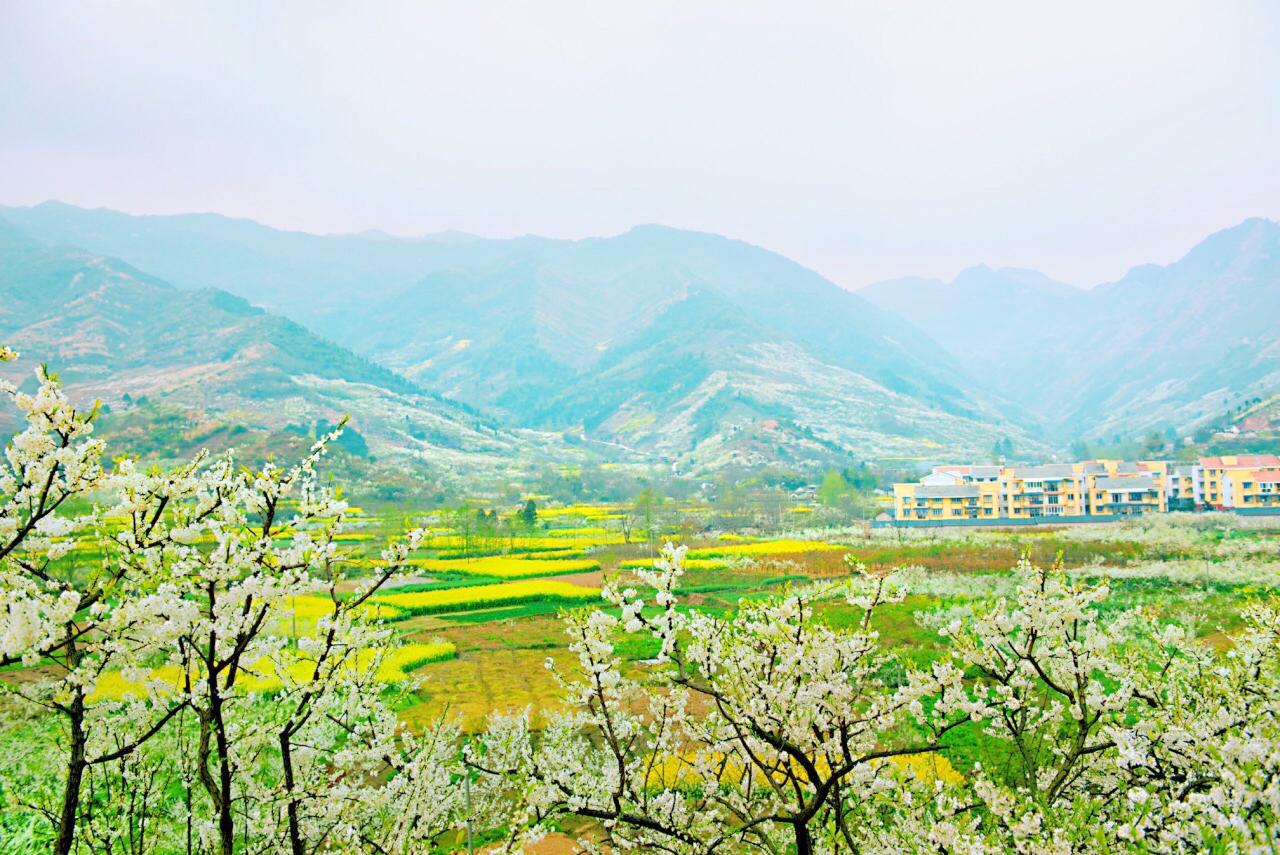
1090, 489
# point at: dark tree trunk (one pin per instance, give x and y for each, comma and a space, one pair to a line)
75, 776
286, 758
804, 843
226, 821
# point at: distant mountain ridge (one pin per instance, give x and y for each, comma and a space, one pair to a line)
636, 337
707, 351
117, 334
611, 336
313, 279
1163, 346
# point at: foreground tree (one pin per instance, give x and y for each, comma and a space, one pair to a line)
1119, 729
79, 618
769, 730
159, 606
773, 730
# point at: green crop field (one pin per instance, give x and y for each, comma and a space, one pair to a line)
472, 635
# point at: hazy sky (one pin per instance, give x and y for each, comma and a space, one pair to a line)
865, 140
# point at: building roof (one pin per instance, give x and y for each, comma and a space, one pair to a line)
1239, 461
1270, 476
1048, 470
947, 491
1125, 483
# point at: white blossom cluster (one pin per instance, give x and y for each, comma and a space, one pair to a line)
773, 730
177, 584
151, 610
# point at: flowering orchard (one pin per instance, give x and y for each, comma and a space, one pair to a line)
191, 661
768, 731
230, 735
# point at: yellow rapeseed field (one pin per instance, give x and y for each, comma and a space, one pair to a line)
301, 613
508, 567
264, 676
485, 596
767, 547
524, 543
589, 512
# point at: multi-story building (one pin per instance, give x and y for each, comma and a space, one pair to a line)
1124, 488
1220, 481
945, 501
1089, 489
1125, 496
1181, 490
1054, 489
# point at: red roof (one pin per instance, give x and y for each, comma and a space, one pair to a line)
1241, 461
1269, 477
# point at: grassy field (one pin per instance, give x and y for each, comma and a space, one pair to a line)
477, 630
1203, 568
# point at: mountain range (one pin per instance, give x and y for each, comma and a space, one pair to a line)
654, 345
127, 338
1164, 346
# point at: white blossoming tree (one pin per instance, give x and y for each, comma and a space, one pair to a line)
1116, 729
294, 738
764, 731
770, 731
76, 618
176, 587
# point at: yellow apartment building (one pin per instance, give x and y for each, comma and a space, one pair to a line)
1125, 495
1088, 488
1054, 489
939, 502
1180, 489
1251, 488
1213, 473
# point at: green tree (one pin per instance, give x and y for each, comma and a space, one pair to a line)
647, 506
529, 513
835, 490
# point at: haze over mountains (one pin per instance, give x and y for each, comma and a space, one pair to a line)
122, 336
1165, 346
657, 344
